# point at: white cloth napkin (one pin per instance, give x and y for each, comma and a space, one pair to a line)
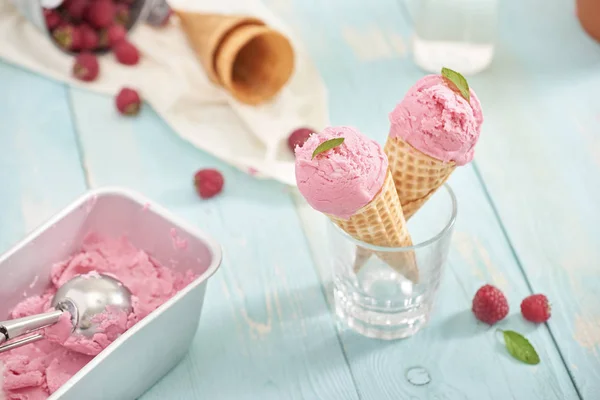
172, 81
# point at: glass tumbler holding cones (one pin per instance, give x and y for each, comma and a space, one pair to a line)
385, 302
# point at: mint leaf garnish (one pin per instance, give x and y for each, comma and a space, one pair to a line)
459, 81
327, 145
520, 348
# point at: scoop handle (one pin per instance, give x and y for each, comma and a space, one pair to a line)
21, 342
16, 327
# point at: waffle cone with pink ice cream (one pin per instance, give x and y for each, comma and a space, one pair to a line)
433, 130
351, 183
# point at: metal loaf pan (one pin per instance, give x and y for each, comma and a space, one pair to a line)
147, 351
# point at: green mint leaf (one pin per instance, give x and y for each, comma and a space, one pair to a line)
327, 145
459, 81
520, 348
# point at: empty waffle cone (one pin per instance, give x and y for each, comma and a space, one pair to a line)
382, 223
243, 55
416, 175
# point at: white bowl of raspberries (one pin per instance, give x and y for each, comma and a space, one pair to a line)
97, 26
88, 29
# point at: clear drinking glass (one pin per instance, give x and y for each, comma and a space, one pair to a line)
382, 302
458, 34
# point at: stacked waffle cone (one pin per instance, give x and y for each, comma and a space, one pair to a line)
433, 130
240, 53
444, 126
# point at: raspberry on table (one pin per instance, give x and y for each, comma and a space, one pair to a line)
208, 182
128, 101
489, 304
535, 308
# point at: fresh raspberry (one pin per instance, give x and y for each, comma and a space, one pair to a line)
122, 14
298, 137
75, 9
115, 33
126, 53
89, 37
68, 37
52, 17
103, 38
535, 308
86, 67
100, 13
128, 101
208, 183
489, 304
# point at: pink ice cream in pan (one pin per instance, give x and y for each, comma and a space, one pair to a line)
435, 119
109, 231
36, 370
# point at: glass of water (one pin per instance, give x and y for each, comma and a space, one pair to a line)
458, 34
382, 302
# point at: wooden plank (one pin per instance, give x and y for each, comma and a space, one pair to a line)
361, 53
540, 162
265, 331
39, 163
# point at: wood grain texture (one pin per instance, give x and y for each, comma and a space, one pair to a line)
540, 160
39, 162
265, 331
463, 358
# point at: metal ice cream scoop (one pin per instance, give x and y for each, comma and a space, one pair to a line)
83, 296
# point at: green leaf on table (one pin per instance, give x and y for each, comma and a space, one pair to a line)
520, 348
459, 81
327, 145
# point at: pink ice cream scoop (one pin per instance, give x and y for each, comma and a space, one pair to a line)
342, 180
435, 119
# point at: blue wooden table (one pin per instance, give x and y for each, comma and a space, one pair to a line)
529, 217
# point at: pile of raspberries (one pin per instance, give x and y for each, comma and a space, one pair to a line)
85, 26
